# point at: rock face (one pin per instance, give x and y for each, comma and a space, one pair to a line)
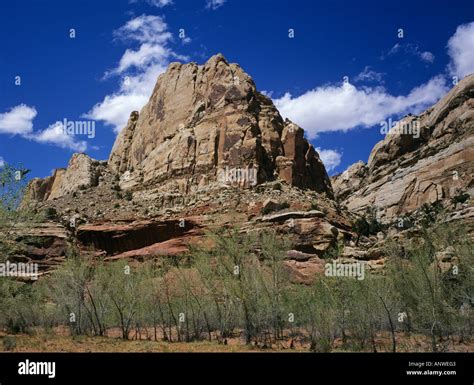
206, 125
209, 151
407, 170
82, 172
120, 237
45, 244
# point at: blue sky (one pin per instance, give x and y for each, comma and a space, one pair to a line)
335, 68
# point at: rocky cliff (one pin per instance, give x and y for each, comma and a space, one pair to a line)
82, 172
206, 125
425, 159
209, 151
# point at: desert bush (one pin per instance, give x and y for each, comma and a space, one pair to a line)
120, 285
50, 213
436, 295
9, 343
316, 313
12, 187
80, 297
277, 186
128, 195
429, 213
366, 225
240, 287
244, 288
23, 306
462, 197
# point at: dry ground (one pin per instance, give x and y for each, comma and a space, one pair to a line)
59, 341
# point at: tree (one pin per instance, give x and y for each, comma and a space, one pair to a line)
121, 284
12, 187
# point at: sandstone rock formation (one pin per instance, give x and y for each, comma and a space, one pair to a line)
406, 170
208, 124
82, 172
209, 151
45, 244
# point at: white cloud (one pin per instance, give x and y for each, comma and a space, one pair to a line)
56, 135
18, 121
461, 51
214, 4
2, 162
330, 158
139, 69
160, 3
268, 94
144, 29
369, 75
427, 57
115, 109
142, 58
410, 49
155, 3
344, 107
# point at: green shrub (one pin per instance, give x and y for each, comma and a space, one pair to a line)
50, 213
460, 198
430, 213
366, 226
9, 343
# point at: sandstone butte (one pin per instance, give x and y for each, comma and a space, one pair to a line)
209, 151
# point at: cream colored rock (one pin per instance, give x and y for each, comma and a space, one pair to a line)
404, 172
208, 124
80, 173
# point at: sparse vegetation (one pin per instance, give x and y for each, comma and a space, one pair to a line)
241, 288
430, 212
460, 198
12, 186
50, 213
9, 343
128, 195
366, 226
